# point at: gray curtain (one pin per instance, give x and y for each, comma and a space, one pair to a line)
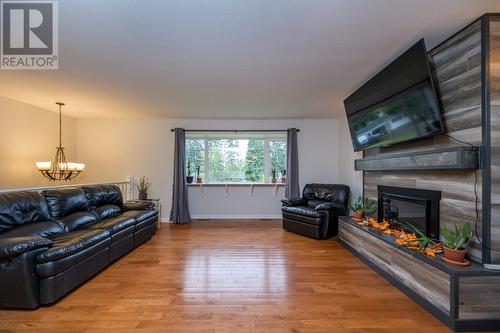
180, 211
292, 189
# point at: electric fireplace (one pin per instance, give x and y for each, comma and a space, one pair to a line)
417, 207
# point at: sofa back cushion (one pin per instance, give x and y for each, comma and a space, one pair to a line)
335, 193
63, 202
107, 211
17, 208
39, 229
104, 200
76, 220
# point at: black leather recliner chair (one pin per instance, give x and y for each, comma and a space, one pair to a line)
53, 241
316, 213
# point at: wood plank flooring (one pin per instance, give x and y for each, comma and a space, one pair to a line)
231, 276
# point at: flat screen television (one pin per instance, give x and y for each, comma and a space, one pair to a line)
398, 104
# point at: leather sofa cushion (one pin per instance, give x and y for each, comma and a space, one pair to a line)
141, 215
99, 195
330, 192
52, 268
76, 220
13, 246
138, 205
315, 203
113, 224
63, 202
304, 214
18, 208
304, 211
107, 211
145, 223
72, 242
317, 221
293, 202
40, 229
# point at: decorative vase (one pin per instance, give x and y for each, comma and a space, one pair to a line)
143, 195
189, 179
455, 255
358, 216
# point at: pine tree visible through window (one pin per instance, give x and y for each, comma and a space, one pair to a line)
236, 157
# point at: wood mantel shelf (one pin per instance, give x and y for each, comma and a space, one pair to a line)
464, 298
444, 158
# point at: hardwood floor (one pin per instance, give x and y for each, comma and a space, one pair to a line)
231, 276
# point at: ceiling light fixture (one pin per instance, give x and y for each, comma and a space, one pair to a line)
59, 169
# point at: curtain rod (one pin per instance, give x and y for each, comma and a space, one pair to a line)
233, 131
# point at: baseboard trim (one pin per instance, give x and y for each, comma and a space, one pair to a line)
229, 217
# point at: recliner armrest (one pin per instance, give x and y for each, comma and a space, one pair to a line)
138, 205
330, 206
290, 202
14, 246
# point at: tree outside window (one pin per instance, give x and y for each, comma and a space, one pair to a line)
249, 159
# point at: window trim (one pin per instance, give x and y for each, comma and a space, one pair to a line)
267, 162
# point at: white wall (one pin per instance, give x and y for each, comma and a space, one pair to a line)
347, 175
115, 149
29, 134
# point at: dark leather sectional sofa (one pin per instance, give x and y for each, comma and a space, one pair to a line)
316, 213
53, 241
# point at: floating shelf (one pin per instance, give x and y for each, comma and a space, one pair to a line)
445, 158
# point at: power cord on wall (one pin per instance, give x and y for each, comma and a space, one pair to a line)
476, 223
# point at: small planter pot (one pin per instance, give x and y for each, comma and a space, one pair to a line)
189, 179
454, 255
143, 195
199, 180
273, 180
358, 216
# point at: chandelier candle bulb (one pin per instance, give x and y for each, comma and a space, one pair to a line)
43, 166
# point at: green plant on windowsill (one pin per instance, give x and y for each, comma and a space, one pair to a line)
199, 180
363, 207
189, 177
273, 176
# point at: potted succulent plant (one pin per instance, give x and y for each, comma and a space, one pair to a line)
143, 186
273, 176
362, 208
199, 180
283, 176
455, 243
189, 177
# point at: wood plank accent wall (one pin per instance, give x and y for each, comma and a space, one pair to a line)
456, 66
427, 281
495, 135
479, 297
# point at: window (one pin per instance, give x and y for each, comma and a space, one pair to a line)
236, 157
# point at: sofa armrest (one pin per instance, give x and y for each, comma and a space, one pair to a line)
138, 205
14, 246
330, 206
290, 202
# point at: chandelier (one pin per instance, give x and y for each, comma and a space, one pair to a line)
59, 169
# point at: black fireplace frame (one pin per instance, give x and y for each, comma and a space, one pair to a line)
429, 198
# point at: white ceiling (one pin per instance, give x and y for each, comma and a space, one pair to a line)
228, 58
